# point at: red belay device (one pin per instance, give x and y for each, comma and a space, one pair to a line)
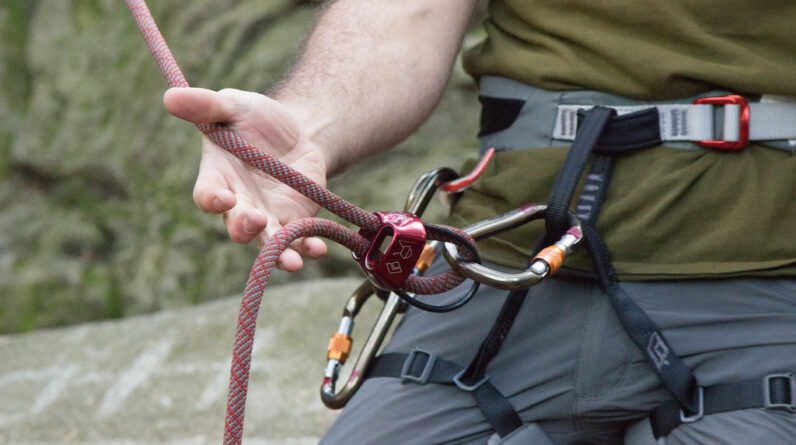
401, 234
389, 269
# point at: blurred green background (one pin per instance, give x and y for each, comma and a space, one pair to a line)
96, 215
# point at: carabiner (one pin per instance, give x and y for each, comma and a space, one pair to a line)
341, 341
547, 262
340, 346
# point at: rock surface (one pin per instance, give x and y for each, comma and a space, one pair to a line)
162, 378
97, 220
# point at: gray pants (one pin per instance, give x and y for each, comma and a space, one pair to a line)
568, 367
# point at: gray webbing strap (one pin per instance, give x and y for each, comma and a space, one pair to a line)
689, 122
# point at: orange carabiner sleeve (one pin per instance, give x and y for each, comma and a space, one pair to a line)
553, 256
339, 347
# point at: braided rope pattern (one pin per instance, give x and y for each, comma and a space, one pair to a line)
238, 146
247, 318
269, 254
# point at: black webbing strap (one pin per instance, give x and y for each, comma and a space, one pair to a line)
594, 130
589, 130
602, 132
600, 128
672, 371
621, 135
775, 391
423, 367
631, 131
476, 370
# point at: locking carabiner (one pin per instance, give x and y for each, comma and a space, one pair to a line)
341, 341
545, 263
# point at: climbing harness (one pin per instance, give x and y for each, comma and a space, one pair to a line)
602, 135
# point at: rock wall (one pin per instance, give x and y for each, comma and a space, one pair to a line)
96, 215
162, 378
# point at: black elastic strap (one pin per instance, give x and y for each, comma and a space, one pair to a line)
776, 391
494, 405
595, 187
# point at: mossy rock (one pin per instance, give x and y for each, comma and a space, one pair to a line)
96, 178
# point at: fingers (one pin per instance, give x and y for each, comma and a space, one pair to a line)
311, 247
292, 259
245, 223
212, 192
213, 197
224, 185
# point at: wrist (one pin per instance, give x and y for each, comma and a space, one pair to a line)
315, 127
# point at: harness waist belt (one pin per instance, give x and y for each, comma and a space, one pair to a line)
717, 119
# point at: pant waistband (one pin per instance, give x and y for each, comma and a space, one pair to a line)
517, 116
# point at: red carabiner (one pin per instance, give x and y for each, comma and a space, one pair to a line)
389, 269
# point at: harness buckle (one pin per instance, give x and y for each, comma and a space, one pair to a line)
406, 371
743, 122
700, 412
389, 268
768, 400
457, 379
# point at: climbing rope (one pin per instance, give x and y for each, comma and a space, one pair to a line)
266, 259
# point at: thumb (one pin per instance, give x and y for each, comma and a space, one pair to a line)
201, 106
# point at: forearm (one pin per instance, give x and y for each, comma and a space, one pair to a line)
371, 72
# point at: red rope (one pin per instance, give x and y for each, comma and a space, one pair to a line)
258, 278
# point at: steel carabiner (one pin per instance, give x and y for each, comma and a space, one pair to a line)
545, 263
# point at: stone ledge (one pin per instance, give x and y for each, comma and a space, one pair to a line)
162, 378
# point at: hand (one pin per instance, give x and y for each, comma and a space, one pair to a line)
254, 205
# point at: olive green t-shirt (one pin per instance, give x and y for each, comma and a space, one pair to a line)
646, 49
668, 213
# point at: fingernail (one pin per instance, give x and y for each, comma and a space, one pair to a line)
218, 205
248, 225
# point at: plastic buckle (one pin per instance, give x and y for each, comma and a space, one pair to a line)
406, 375
743, 124
389, 270
768, 402
700, 412
457, 379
